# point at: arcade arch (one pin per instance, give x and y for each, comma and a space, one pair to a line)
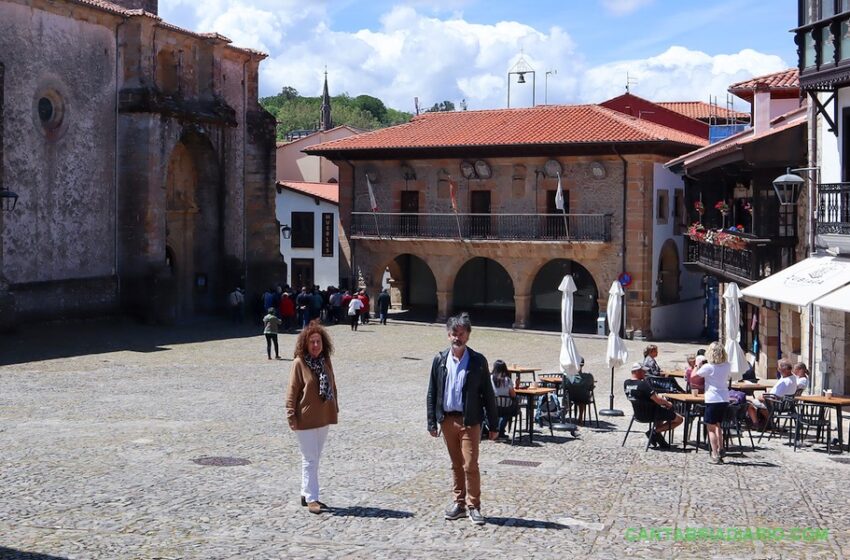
546, 299
483, 287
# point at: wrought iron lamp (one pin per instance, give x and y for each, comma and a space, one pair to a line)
788, 187
8, 200
286, 231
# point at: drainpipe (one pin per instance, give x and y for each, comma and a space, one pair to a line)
623, 246
116, 260
244, 190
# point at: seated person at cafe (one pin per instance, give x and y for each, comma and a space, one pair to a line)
580, 388
649, 355
695, 381
801, 372
503, 387
785, 387
649, 404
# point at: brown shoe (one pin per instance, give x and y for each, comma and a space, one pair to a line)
315, 507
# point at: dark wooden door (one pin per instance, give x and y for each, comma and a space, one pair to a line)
479, 226
409, 223
302, 273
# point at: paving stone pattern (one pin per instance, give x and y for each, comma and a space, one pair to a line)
100, 424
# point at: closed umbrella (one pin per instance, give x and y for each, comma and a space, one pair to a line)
732, 295
616, 354
570, 358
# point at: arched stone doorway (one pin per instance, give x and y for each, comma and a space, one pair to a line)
193, 229
484, 288
546, 299
413, 288
668, 274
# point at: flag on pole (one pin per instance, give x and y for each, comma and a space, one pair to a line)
372, 203
453, 193
559, 195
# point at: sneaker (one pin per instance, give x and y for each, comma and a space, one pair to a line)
322, 505
715, 459
455, 511
652, 441
475, 516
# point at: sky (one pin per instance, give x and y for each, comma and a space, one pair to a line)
581, 51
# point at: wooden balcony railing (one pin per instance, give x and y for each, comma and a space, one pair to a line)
497, 227
834, 208
760, 258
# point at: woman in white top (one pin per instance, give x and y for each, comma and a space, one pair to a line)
802, 373
354, 308
716, 373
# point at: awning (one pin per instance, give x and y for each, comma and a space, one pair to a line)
804, 282
839, 299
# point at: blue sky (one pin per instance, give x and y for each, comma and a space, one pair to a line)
463, 49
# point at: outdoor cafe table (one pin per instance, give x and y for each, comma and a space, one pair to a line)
749, 388
531, 395
519, 370
688, 400
835, 401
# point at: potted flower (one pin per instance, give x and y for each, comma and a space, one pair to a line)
722, 206
748, 207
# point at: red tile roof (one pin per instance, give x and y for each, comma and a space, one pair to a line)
325, 191
785, 80
543, 125
701, 111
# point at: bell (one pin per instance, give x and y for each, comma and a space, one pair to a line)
521, 79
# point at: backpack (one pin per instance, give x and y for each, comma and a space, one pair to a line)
548, 408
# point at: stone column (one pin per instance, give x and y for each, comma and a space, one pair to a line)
7, 300
523, 311
443, 303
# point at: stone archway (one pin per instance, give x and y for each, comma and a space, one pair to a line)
546, 299
668, 274
193, 228
484, 288
413, 287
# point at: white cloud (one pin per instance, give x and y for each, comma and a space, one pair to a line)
678, 74
412, 54
624, 7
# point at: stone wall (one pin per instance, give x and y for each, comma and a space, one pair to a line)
60, 156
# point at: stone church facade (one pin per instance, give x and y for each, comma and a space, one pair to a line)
144, 165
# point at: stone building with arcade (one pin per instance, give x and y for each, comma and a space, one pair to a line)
142, 161
504, 251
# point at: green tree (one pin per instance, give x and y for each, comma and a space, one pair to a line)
441, 107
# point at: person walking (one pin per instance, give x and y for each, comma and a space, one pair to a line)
270, 325
716, 374
459, 390
312, 406
355, 306
236, 300
383, 305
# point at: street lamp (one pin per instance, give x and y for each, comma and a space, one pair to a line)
521, 68
8, 200
788, 187
286, 231
546, 86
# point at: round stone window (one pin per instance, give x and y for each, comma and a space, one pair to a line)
49, 111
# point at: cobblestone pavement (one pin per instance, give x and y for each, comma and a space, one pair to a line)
99, 425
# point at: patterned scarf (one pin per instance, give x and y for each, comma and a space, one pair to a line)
317, 366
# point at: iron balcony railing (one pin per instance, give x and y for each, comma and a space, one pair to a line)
758, 260
834, 208
497, 227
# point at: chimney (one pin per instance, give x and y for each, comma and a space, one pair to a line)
149, 6
761, 110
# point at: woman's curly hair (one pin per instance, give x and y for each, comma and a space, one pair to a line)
314, 327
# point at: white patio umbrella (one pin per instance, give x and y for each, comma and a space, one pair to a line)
570, 358
616, 354
733, 329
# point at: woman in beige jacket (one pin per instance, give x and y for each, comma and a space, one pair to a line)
312, 406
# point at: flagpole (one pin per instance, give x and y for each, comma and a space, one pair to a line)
373, 204
453, 196
559, 204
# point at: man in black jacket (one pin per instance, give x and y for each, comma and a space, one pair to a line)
458, 391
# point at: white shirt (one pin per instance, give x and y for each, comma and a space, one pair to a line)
716, 381
802, 383
786, 386
355, 306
